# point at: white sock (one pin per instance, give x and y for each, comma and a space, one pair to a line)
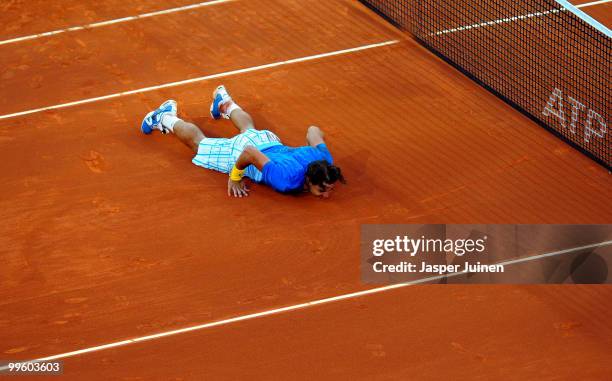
231, 108
168, 121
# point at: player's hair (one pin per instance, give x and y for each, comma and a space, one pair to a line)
321, 171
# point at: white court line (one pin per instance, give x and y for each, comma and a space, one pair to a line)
114, 21
298, 306
162, 12
203, 78
567, 7
592, 3
499, 21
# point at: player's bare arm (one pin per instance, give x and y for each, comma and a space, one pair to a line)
250, 156
314, 136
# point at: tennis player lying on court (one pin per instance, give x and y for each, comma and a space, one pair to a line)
258, 155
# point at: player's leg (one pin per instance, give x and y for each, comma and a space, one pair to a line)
165, 119
242, 120
188, 133
224, 106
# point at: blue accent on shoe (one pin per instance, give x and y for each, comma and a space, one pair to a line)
148, 123
153, 119
215, 112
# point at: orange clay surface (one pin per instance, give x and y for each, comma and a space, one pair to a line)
107, 234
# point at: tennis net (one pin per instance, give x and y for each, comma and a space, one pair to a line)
546, 58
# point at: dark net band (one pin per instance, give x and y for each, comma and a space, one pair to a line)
545, 58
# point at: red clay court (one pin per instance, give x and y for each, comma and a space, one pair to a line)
110, 236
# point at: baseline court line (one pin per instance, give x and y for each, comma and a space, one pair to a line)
162, 12
203, 78
298, 306
114, 21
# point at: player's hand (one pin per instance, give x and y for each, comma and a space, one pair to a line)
237, 188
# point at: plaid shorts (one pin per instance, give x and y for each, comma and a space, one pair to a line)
220, 154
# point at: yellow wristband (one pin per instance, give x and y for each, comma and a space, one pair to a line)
236, 174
